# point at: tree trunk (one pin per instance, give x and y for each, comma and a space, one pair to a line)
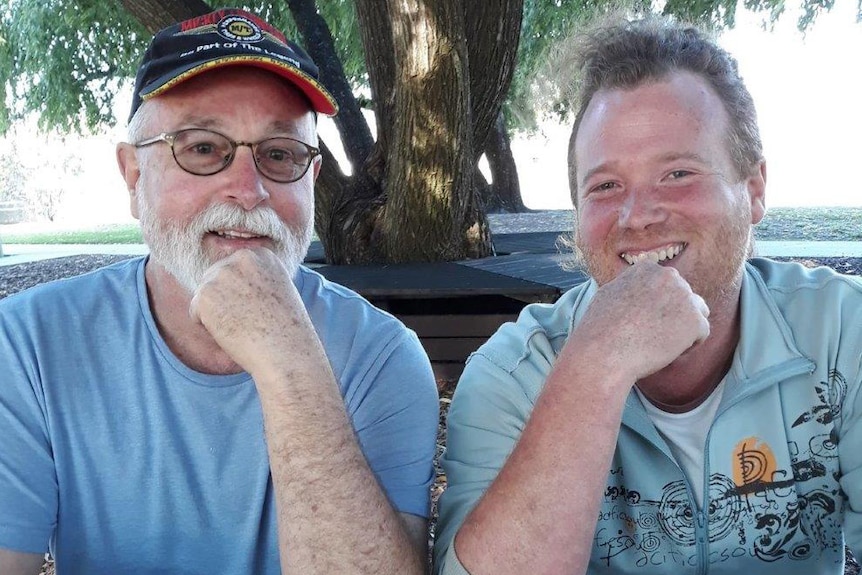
504, 192
431, 111
431, 211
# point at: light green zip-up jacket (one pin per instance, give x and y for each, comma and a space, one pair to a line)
783, 460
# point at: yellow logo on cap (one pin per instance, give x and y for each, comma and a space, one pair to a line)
239, 29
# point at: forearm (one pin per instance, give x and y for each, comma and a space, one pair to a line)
333, 516
18, 563
554, 477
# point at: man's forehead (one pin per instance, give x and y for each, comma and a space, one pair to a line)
676, 88
171, 111
223, 122
681, 103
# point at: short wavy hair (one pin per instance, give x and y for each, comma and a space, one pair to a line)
628, 54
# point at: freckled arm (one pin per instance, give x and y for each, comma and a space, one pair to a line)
333, 516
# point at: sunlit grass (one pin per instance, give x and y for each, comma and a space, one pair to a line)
129, 233
95, 234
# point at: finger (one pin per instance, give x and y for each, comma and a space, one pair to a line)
701, 305
208, 277
194, 306
704, 329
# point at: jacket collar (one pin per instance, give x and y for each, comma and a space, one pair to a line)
766, 339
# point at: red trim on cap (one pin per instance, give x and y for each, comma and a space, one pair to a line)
321, 100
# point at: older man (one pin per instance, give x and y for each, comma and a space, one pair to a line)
685, 411
215, 408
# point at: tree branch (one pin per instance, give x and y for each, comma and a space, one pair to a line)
375, 26
317, 39
158, 14
493, 28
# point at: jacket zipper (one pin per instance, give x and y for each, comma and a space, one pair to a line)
788, 370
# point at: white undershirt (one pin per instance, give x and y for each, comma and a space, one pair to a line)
685, 434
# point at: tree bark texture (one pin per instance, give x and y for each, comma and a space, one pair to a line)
421, 98
345, 207
431, 209
493, 30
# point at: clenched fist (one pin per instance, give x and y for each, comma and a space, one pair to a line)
248, 303
643, 320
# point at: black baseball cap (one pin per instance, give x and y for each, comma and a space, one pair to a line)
228, 37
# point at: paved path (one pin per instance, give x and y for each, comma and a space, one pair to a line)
22, 253
809, 249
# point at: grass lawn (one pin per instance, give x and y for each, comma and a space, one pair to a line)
52, 234
30, 233
829, 223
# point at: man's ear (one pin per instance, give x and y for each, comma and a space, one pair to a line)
127, 161
756, 183
316, 163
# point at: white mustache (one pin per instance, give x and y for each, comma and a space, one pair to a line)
178, 246
262, 221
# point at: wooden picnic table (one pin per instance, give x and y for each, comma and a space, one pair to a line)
455, 306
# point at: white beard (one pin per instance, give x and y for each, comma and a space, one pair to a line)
178, 246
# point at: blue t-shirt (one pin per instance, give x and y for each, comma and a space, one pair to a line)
126, 460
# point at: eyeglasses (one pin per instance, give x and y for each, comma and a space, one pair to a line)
204, 153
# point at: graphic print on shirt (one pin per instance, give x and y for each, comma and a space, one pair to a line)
761, 511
